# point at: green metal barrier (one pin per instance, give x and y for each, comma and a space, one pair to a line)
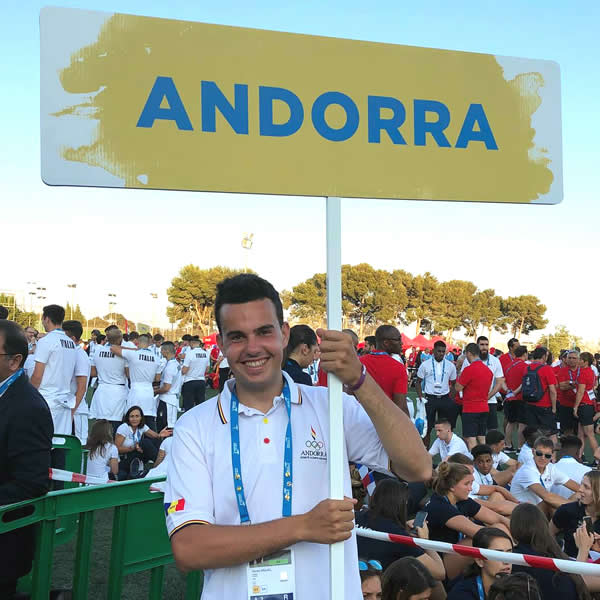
139, 537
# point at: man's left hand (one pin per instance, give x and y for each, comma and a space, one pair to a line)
339, 357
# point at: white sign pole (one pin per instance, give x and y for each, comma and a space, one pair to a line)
336, 420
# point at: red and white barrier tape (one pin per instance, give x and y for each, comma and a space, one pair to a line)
525, 560
60, 475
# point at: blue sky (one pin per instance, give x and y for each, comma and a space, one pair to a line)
88, 236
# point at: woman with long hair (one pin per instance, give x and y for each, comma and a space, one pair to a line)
407, 579
103, 456
569, 517
450, 511
480, 575
529, 529
301, 351
135, 440
388, 512
518, 586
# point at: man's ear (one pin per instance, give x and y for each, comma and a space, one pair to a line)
220, 342
285, 331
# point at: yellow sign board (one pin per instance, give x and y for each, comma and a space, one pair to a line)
140, 102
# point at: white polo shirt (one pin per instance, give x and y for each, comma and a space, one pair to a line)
109, 366
494, 365
171, 374
58, 352
500, 459
197, 360
82, 369
528, 475
129, 345
479, 480
143, 365
200, 473
436, 376
574, 470
526, 456
455, 445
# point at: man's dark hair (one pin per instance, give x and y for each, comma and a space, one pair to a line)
482, 338
481, 449
569, 445
169, 346
531, 434
158, 337
443, 421
439, 344
543, 442
186, 337
494, 436
521, 351
55, 313
145, 336
134, 335
125, 337
15, 341
385, 332
243, 288
3, 312
371, 339
110, 328
195, 338
473, 349
73, 328
539, 353
100, 338
511, 342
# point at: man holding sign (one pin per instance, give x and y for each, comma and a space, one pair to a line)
259, 452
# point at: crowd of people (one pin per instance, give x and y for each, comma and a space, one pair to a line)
256, 454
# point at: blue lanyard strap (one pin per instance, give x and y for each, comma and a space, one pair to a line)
236, 460
379, 353
10, 381
480, 588
576, 380
443, 369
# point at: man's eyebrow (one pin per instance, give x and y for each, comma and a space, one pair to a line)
234, 332
265, 327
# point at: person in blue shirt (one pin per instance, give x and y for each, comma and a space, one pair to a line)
300, 353
480, 576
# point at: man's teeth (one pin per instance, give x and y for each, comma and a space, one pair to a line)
256, 363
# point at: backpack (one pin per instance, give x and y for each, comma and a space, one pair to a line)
531, 385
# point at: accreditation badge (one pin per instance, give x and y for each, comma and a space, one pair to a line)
272, 577
437, 388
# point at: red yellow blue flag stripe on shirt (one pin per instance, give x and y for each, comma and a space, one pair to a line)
174, 506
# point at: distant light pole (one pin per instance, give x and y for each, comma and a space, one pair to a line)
154, 296
72, 287
247, 241
111, 305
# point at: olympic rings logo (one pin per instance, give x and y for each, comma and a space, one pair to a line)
314, 445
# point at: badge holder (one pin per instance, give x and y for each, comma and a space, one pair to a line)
272, 577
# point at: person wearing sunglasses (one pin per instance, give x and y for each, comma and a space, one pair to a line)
532, 483
370, 578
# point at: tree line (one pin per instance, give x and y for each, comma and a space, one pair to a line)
371, 297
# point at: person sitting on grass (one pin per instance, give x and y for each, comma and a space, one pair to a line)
447, 441
135, 440
477, 490
388, 512
450, 512
495, 439
479, 576
526, 454
532, 483
407, 579
103, 457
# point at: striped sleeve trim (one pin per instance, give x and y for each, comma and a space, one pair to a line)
193, 522
221, 413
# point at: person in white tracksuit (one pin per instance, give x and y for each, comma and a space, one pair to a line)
144, 369
110, 400
170, 383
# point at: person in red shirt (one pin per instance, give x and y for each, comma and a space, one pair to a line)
585, 400
389, 373
474, 383
542, 414
514, 408
507, 359
567, 377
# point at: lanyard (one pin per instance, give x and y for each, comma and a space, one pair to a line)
542, 482
443, 369
136, 435
576, 380
379, 353
10, 381
236, 461
480, 588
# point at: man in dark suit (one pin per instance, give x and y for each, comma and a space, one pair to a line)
25, 442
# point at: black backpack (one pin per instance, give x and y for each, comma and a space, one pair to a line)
532, 389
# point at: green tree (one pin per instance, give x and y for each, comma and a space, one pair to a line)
371, 295
192, 295
74, 313
561, 339
453, 306
523, 314
22, 317
486, 311
422, 299
308, 300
